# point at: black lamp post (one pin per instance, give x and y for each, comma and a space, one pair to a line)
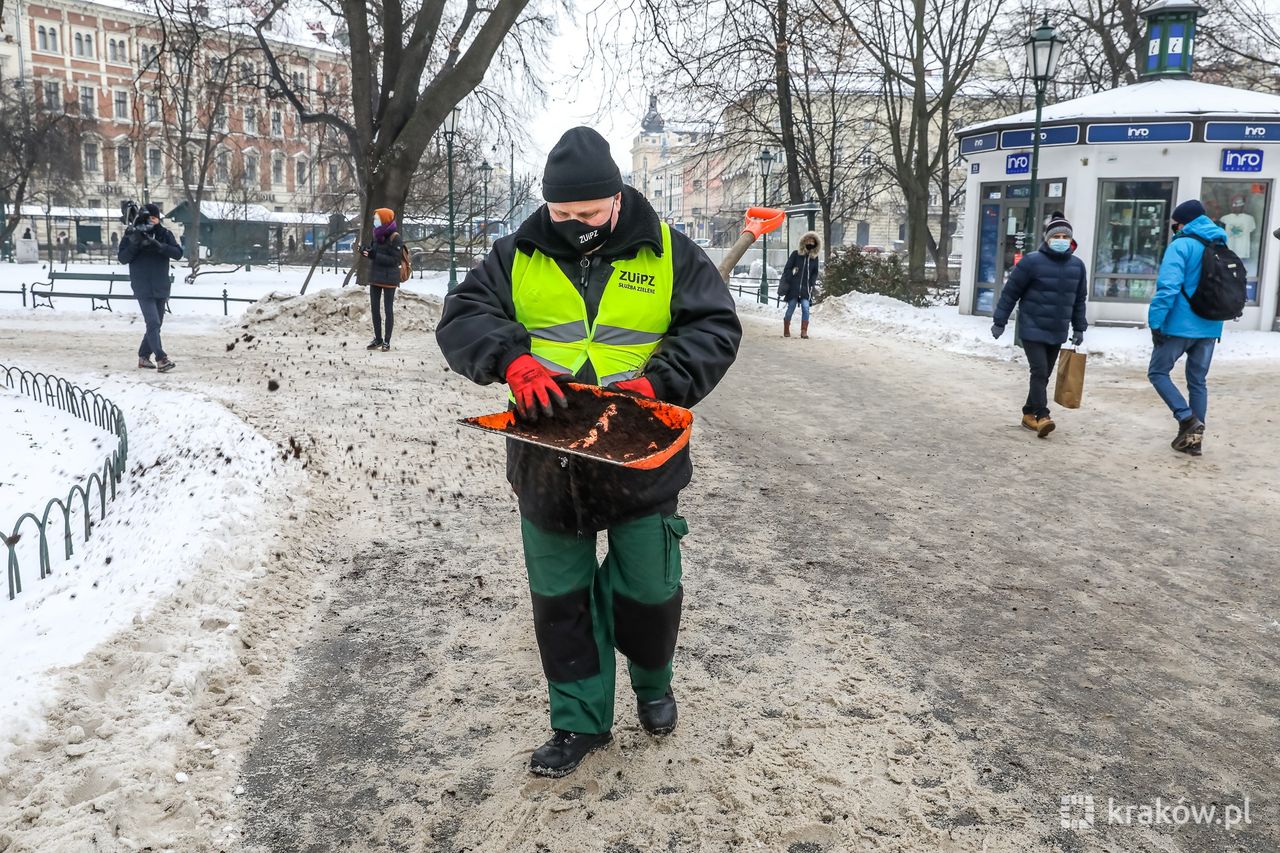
765, 159
1043, 49
486, 171
451, 128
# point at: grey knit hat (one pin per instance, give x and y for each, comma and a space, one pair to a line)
1058, 225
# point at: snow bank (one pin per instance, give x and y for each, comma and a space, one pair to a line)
46, 451
866, 314
336, 311
200, 485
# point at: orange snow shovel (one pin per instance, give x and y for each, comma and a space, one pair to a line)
647, 453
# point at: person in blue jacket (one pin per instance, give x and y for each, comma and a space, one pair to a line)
147, 248
1176, 330
1052, 286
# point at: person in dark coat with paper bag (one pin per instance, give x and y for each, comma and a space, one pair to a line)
1051, 286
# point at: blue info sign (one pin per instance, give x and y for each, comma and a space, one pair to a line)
1017, 164
1242, 159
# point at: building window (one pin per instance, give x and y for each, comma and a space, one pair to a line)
52, 96
866, 159
153, 108
251, 120
84, 46
277, 169
148, 56
88, 98
222, 169
45, 36
91, 157
124, 163
277, 123
1133, 230
117, 51
154, 163
333, 174
1241, 206
220, 119
251, 169
300, 174
121, 102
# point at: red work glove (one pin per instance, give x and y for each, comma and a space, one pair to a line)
639, 385
533, 388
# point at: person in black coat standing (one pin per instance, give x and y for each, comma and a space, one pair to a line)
798, 282
147, 248
384, 255
1052, 285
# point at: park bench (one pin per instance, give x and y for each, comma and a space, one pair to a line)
46, 289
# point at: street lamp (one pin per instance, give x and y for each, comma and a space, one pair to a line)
765, 159
486, 171
1043, 49
451, 128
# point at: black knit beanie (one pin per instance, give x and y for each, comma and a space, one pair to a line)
152, 209
1187, 211
580, 168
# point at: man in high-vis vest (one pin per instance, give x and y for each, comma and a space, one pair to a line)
594, 287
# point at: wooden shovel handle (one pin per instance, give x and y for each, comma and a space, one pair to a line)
758, 222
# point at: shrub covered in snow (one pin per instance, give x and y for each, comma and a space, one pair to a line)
851, 270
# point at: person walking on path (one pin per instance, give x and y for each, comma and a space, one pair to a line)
1177, 330
147, 248
798, 282
1051, 285
595, 287
384, 255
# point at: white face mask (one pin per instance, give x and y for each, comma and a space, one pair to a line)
376, 221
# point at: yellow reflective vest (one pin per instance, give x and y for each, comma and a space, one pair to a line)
633, 317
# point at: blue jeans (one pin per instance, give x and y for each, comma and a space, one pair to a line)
153, 316
1199, 353
791, 309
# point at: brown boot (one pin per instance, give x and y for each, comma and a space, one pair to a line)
1031, 422
786, 328
1044, 426
804, 329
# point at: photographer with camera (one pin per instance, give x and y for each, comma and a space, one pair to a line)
147, 248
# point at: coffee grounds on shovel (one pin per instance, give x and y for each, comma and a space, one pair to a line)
616, 428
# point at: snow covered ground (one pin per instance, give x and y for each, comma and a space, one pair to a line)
242, 284
46, 451
199, 486
866, 314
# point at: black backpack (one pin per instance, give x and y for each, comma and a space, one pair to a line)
1221, 293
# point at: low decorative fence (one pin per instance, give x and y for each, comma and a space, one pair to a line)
89, 406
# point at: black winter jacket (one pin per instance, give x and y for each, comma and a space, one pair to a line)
384, 261
1052, 288
149, 263
480, 337
799, 276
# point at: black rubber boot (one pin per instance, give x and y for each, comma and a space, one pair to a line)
658, 717
1190, 432
561, 755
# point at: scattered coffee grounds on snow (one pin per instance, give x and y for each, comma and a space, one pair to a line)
615, 428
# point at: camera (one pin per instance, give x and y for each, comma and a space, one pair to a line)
135, 221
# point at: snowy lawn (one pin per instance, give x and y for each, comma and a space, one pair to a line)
867, 314
242, 284
200, 485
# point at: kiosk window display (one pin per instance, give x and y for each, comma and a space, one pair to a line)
1133, 230
1240, 207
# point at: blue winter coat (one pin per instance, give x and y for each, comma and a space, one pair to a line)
1052, 287
149, 265
799, 276
1170, 312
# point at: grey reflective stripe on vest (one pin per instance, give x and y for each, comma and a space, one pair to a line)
618, 377
620, 337
565, 333
550, 365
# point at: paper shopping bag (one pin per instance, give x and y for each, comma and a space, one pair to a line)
1070, 386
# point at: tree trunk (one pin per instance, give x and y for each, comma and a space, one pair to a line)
782, 77
387, 186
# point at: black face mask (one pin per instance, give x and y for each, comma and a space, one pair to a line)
583, 237
1175, 227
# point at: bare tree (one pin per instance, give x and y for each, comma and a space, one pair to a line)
410, 64
926, 51
39, 147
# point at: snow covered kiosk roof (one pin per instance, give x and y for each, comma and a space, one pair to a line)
1152, 99
1163, 110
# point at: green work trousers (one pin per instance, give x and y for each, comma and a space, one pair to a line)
584, 609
